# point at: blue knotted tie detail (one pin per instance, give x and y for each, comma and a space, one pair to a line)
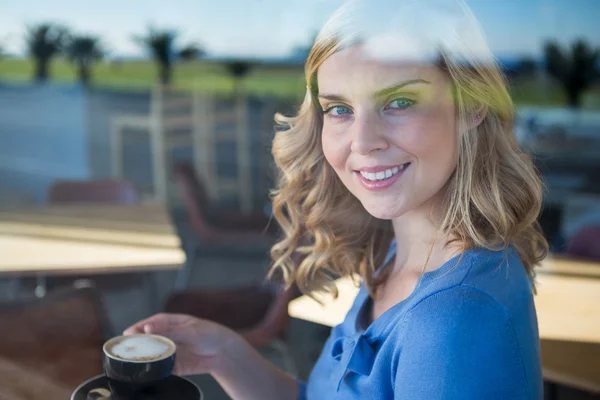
354, 354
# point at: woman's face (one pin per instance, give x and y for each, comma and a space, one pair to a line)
388, 130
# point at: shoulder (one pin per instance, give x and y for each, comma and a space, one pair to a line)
470, 334
496, 280
484, 282
465, 345
456, 307
492, 293
497, 272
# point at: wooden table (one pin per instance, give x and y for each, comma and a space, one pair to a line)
568, 309
88, 239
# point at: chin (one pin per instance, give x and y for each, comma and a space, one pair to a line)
384, 211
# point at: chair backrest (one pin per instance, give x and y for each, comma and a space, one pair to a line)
59, 336
195, 198
275, 321
585, 243
105, 191
238, 308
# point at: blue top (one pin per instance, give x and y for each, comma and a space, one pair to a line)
468, 331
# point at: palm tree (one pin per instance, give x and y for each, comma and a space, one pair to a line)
84, 51
238, 69
191, 52
575, 70
45, 41
161, 46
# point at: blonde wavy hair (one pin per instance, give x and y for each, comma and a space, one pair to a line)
493, 198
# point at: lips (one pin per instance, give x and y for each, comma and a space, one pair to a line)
380, 178
381, 173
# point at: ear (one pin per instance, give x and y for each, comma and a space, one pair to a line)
476, 117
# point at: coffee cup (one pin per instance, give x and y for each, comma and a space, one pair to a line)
135, 364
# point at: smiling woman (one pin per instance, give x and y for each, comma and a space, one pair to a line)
401, 167
412, 88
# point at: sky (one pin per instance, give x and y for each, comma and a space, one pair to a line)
271, 28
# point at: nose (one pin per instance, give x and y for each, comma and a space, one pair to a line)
367, 135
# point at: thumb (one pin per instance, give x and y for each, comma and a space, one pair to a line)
175, 332
159, 324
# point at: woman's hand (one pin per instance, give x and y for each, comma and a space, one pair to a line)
200, 343
206, 347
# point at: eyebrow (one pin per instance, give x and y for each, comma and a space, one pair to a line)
381, 93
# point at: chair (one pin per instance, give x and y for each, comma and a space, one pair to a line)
211, 223
258, 312
218, 232
106, 191
20, 383
59, 336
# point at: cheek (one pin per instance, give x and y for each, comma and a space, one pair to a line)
334, 150
431, 137
426, 143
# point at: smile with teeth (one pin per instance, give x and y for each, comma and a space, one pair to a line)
382, 175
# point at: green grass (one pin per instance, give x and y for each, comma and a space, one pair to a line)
142, 74
532, 93
281, 82
528, 91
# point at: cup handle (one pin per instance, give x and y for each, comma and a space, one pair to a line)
99, 394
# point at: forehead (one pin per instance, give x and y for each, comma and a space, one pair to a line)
356, 69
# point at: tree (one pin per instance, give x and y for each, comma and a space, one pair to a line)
238, 69
44, 41
84, 51
576, 70
191, 52
161, 46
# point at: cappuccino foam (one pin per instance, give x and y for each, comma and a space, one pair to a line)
140, 348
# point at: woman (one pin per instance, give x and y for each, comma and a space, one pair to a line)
400, 167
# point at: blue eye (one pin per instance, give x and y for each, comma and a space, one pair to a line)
337, 111
400, 104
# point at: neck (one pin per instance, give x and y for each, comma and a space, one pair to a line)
419, 241
414, 237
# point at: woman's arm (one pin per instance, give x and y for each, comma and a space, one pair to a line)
460, 344
204, 347
245, 374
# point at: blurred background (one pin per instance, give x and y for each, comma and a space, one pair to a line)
135, 136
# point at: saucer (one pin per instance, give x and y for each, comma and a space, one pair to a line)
173, 387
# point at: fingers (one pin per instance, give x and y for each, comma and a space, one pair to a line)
159, 323
138, 327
